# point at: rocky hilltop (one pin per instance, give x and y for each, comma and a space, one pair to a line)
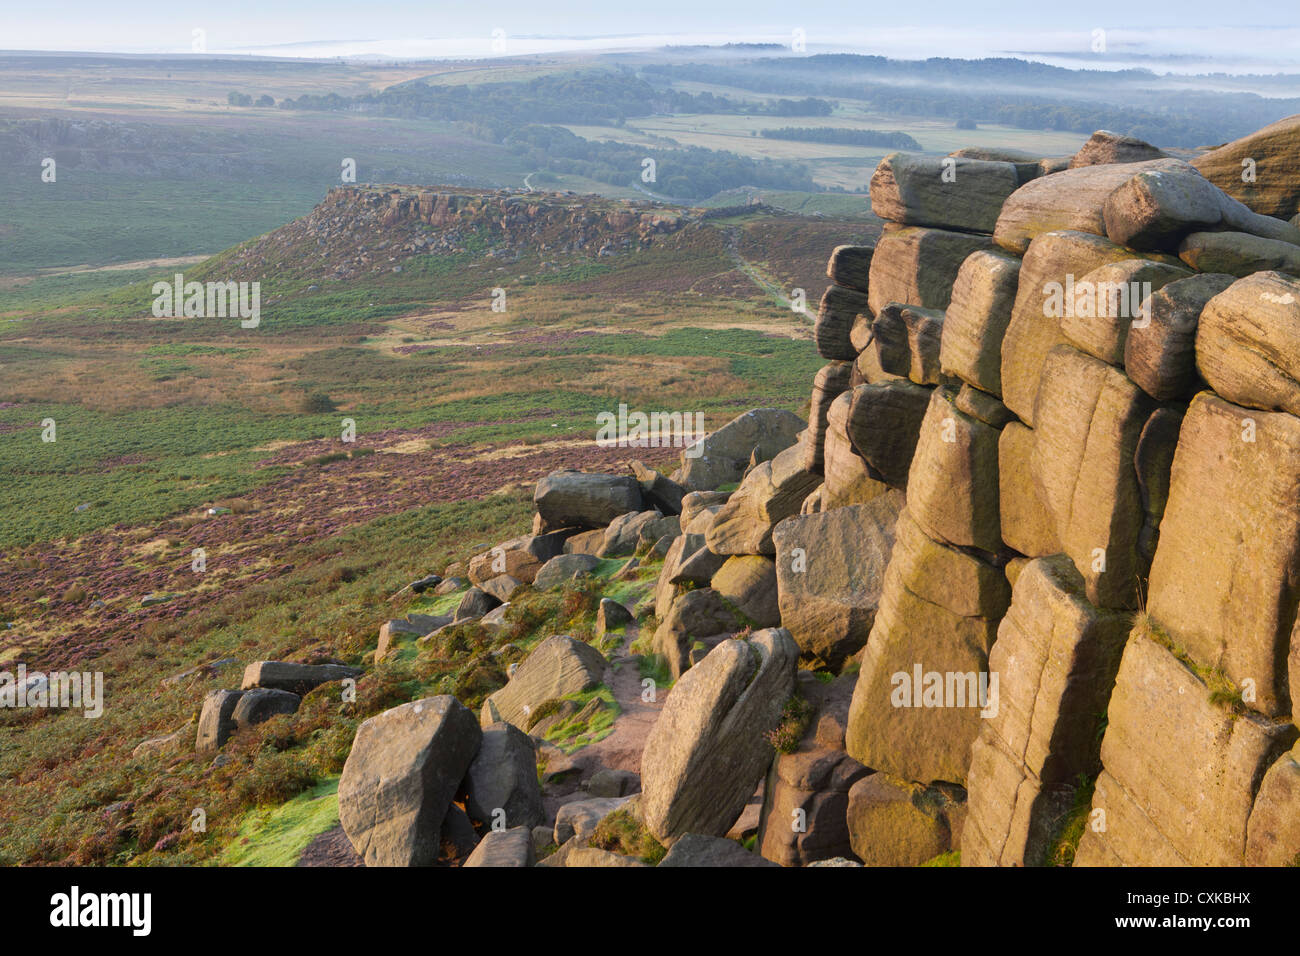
360, 230
1022, 589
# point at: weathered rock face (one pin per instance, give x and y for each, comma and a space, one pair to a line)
1056, 658
724, 455
1073, 200
1182, 805
806, 811
557, 667
829, 573
916, 705
850, 480
658, 491
1109, 301
907, 339
707, 751
501, 785
883, 423
1105, 147
1090, 418
772, 491
693, 616
1053, 261
947, 192
1274, 187
977, 318
405, 766
747, 582
1248, 342
1160, 352
1027, 524
625, 531
952, 487
563, 568
1273, 832
849, 266
1225, 582
917, 266
696, 849
839, 308
831, 382
216, 720
567, 498
261, 704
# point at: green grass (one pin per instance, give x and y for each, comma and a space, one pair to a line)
277, 836
951, 858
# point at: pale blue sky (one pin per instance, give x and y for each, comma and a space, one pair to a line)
1241, 31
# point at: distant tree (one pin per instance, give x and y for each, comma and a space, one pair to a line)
965, 122
266, 99
239, 99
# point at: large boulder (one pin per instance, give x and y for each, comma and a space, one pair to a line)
658, 491
567, 498
699, 850
914, 265
723, 456
708, 749
1269, 155
1158, 208
1248, 342
1160, 352
1056, 658
260, 704
557, 667
216, 721
404, 769
907, 340
947, 192
829, 569
772, 491
501, 785
893, 824
625, 531
1180, 770
1104, 147
1073, 200
521, 558
977, 319
1225, 581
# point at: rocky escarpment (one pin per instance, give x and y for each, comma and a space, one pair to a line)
1023, 587
361, 230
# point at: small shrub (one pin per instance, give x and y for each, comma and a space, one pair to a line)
794, 721
623, 833
316, 403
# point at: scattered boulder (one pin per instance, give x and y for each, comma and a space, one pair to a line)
405, 766
501, 785
216, 720
513, 847
502, 587
747, 582
475, 604
658, 491
707, 751
1239, 254
296, 678
613, 783
723, 456
893, 824
557, 667
697, 849
562, 569
610, 616
578, 820
806, 806
772, 491
261, 704
692, 616
566, 498
1248, 342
